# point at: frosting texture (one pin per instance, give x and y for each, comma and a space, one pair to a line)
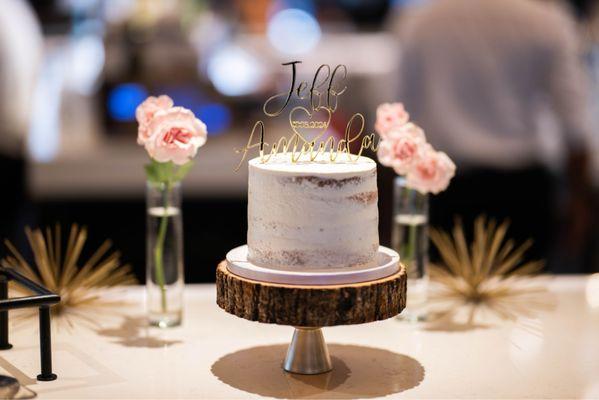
312, 215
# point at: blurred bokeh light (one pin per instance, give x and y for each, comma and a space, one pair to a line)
124, 99
293, 31
235, 72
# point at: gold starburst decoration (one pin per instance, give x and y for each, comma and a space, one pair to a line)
490, 271
61, 270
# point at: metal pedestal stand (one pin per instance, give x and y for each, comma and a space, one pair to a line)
308, 353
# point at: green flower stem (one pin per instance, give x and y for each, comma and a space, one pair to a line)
159, 248
412, 246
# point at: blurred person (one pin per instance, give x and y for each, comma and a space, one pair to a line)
20, 52
499, 85
591, 24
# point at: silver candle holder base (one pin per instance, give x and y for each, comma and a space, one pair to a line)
308, 353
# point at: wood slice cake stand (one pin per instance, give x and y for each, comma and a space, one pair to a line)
310, 307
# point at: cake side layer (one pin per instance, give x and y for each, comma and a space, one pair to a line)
311, 215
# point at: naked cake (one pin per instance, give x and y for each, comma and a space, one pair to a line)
312, 214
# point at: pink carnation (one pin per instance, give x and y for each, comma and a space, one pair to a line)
390, 116
400, 148
431, 172
145, 112
174, 134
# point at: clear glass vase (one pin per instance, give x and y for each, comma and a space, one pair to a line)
164, 254
409, 237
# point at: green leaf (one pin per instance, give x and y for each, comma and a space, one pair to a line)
152, 173
182, 171
158, 172
167, 169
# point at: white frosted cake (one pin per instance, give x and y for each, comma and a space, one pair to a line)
312, 214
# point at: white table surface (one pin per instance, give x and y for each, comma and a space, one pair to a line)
109, 353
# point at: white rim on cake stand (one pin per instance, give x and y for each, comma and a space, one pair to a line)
386, 264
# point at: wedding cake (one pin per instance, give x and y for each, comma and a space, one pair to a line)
312, 215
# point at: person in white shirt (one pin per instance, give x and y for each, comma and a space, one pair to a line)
21, 47
499, 85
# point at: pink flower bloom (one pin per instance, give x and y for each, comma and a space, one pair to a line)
431, 172
175, 135
390, 116
400, 148
145, 112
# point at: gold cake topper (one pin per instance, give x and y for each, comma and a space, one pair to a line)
313, 118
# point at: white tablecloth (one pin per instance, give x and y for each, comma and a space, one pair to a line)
109, 353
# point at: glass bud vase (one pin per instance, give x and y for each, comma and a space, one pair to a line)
409, 237
164, 254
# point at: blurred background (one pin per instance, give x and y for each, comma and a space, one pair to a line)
508, 88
